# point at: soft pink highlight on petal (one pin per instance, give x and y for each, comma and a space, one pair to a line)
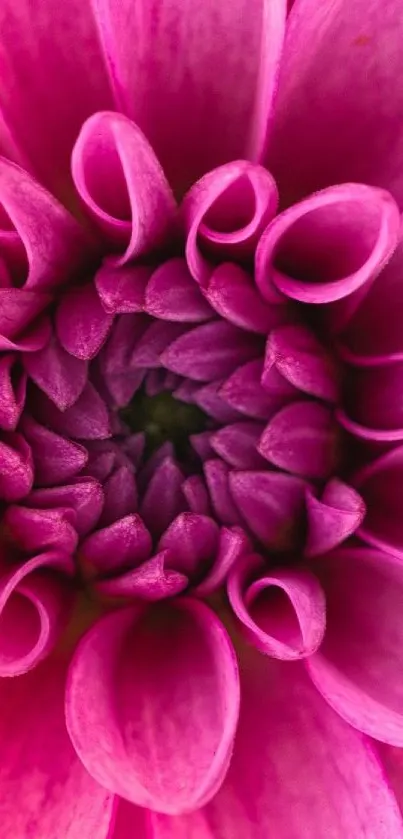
82, 324
125, 543
57, 373
303, 361
172, 294
16, 467
84, 496
333, 517
233, 294
282, 613
210, 351
356, 667
122, 184
121, 288
159, 730
55, 458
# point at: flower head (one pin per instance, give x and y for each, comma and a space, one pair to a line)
201, 434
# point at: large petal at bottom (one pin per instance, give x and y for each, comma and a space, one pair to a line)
298, 770
45, 792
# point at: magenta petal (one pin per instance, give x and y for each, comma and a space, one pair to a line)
210, 351
217, 475
61, 376
152, 581
149, 349
373, 398
87, 419
122, 184
238, 444
33, 530
331, 129
208, 398
303, 438
381, 485
121, 288
333, 517
198, 60
272, 505
197, 498
232, 293
125, 543
84, 496
330, 245
16, 467
227, 211
13, 383
120, 491
233, 544
156, 728
54, 796
245, 392
130, 821
18, 309
282, 613
356, 667
56, 459
311, 776
38, 218
82, 324
172, 294
192, 541
163, 498
303, 362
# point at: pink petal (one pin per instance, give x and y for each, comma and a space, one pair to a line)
121, 378
122, 184
54, 796
198, 58
297, 772
304, 362
172, 294
303, 438
120, 492
34, 530
87, 419
13, 383
208, 398
282, 613
152, 581
226, 211
192, 541
217, 475
373, 396
195, 492
329, 246
272, 505
82, 324
232, 293
392, 760
156, 728
333, 517
356, 667
381, 485
33, 339
338, 110
35, 605
16, 467
210, 351
149, 350
121, 288
56, 459
84, 496
246, 392
125, 543
61, 376
130, 821
238, 444
19, 308
163, 498
36, 217
233, 544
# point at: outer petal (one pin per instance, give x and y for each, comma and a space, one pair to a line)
52, 76
338, 111
161, 704
298, 771
357, 667
44, 789
216, 66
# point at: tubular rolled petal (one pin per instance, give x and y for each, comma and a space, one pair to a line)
381, 486
233, 544
333, 517
224, 214
155, 728
329, 246
356, 667
122, 185
282, 613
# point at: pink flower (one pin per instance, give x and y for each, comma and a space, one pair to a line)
201, 429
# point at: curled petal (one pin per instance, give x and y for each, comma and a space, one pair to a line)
16, 467
282, 613
329, 246
381, 485
122, 184
303, 438
13, 382
57, 373
83, 495
356, 667
272, 505
155, 728
333, 517
232, 293
172, 294
192, 542
151, 581
233, 544
210, 351
121, 288
82, 324
226, 211
303, 361
35, 605
34, 530
56, 459
125, 543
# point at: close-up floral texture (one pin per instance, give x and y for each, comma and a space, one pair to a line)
201, 419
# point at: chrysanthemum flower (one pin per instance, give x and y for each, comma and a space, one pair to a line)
201, 426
